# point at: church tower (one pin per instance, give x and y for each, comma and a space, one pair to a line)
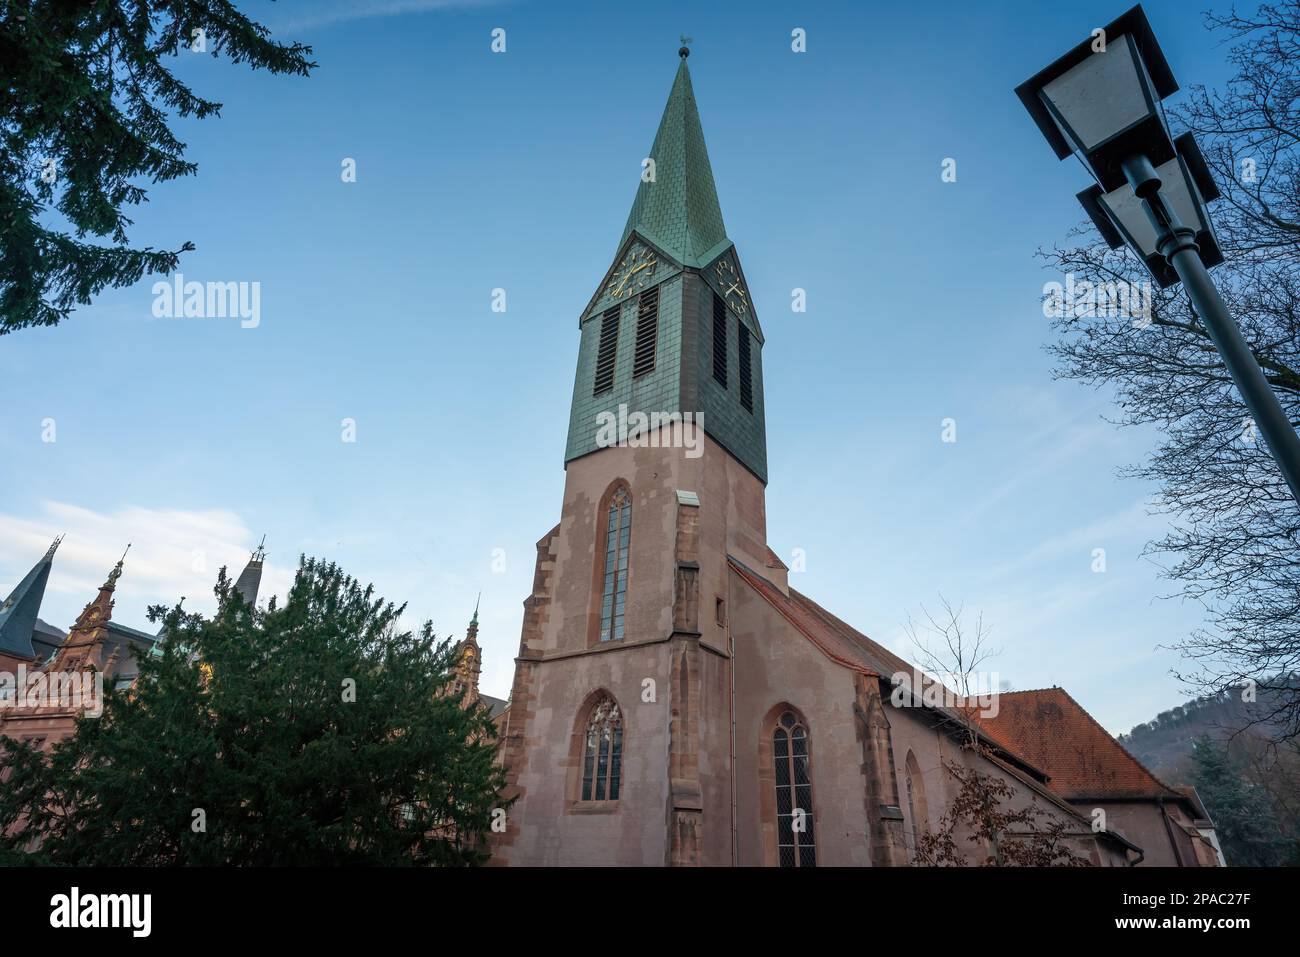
617, 742
671, 327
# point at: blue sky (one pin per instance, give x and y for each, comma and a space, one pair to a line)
193, 437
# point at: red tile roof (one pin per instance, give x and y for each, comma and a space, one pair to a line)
1055, 733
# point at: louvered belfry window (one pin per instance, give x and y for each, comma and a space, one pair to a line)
617, 536
602, 754
746, 373
606, 352
719, 340
794, 814
647, 332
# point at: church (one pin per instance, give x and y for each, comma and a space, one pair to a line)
675, 701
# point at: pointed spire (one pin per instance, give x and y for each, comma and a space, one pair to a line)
468, 665
19, 611
250, 579
678, 210
100, 608
471, 635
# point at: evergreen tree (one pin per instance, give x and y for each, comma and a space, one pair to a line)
1242, 814
313, 733
84, 108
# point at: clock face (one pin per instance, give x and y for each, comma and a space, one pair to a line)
731, 285
634, 272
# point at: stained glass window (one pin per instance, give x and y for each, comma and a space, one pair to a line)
602, 757
796, 846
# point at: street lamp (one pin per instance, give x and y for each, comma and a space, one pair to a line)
1101, 102
1121, 218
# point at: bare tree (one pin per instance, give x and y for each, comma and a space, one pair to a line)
1234, 539
953, 652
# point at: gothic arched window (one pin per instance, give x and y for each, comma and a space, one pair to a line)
794, 812
602, 752
614, 594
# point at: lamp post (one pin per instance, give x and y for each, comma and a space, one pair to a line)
1101, 102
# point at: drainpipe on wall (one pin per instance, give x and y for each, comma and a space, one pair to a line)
731, 676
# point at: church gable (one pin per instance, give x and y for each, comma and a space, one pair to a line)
639, 265
726, 278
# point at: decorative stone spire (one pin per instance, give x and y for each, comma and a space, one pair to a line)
85, 642
19, 611
469, 663
100, 609
678, 209
472, 633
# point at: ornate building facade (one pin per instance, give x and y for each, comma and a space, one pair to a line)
94, 641
675, 700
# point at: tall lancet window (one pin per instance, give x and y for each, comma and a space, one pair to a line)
916, 805
602, 754
794, 812
613, 598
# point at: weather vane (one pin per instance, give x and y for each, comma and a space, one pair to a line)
684, 52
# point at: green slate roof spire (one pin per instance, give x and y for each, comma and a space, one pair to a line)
19, 611
679, 211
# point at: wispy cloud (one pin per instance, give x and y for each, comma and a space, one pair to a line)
1131, 527
174, 553
321, 13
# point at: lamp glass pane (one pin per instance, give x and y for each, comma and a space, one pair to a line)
1101, 96
1176, 185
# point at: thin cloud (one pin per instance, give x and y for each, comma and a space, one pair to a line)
322, 14
1133, 526
174, 553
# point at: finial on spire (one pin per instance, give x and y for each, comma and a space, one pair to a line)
685, 51
54, 546
259, 553
116, 573
474, 620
